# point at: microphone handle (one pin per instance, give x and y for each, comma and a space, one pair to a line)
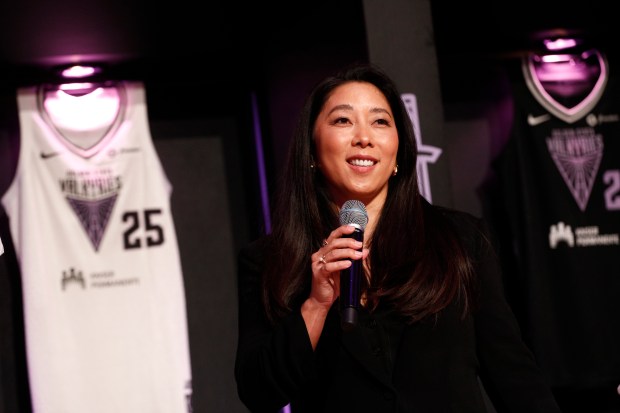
350, 288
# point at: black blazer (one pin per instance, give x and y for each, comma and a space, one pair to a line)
384, 365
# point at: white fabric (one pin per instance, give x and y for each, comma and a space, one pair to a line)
104, 303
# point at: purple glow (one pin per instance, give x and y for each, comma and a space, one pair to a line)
560, 44
94, 110
258, 141
585, 73
78, 71
564, 67
75, 86
557, 58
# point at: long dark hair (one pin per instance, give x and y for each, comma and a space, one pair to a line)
418, 263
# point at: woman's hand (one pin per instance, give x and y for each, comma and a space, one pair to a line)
335, 255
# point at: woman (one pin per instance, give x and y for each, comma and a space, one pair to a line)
433, 320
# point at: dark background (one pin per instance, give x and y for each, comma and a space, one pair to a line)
204, 64
227, 39
274, 50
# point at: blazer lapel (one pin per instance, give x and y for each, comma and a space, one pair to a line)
358, 346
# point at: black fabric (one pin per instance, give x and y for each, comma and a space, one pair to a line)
555, 207
435, 366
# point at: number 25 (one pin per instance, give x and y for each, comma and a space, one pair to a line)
153, 233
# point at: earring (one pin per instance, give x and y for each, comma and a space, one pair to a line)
312, 164
395, 170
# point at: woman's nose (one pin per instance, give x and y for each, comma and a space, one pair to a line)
362, 137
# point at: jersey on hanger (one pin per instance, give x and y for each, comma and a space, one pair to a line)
560, 189
90, 218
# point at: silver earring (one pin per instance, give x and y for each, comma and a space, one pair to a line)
395, 170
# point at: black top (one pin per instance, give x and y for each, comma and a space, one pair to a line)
383, 364
555, 205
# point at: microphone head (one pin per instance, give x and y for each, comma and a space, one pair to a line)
353, 212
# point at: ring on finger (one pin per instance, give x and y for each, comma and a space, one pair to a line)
325, 243
322, 260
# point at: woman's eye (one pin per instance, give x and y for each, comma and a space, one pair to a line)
382, 121
341, 120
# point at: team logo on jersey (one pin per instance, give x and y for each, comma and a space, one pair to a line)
594, 120
93, 216
47, 155
588, 236
92, 195
537, 120
72, 277
561, 233
577, 154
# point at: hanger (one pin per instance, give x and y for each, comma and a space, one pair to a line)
82, 107
567, 67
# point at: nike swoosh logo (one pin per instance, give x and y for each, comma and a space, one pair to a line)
537, 120
48, 155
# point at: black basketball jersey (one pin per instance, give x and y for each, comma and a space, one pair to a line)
559, 216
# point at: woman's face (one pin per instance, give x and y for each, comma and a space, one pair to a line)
356, 143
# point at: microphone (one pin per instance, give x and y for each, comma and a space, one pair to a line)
353, 212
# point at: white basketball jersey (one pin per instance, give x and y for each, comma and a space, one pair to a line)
90, 218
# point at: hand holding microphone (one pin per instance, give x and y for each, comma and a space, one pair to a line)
332, 259
337, 255
352, 213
